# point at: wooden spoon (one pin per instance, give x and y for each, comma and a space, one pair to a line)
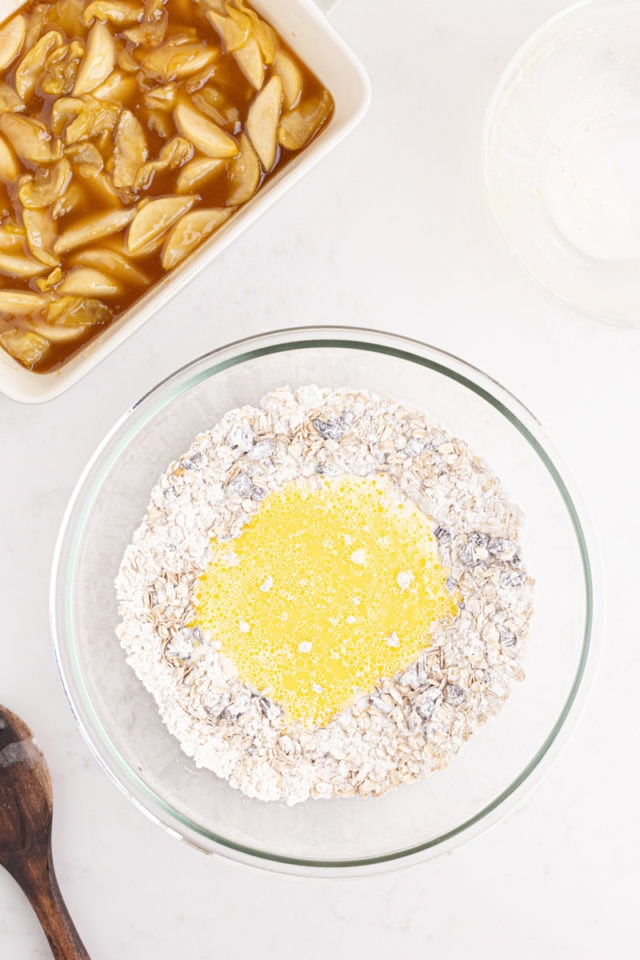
26, 809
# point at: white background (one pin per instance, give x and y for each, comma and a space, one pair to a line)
391, 231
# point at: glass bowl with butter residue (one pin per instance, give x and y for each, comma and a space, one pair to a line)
119, 719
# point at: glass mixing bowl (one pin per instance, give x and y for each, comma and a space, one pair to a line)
561, 152
323, 837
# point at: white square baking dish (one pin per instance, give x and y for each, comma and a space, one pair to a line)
304, 25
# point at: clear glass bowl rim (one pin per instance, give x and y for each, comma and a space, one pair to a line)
504, 83
136, 418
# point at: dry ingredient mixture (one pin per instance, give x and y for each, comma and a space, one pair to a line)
326, 596
325, 590
130, 131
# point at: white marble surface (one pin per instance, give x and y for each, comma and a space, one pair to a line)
391, 231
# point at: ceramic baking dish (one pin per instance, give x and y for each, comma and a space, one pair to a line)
304, 25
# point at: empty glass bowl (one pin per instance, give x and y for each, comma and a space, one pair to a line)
118, 717
562, 153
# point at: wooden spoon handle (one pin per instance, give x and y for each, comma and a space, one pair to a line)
38, 881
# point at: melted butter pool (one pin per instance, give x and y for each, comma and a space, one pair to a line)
324, 592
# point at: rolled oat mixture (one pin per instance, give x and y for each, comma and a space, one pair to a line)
412, 722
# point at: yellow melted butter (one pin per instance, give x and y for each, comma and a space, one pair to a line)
324, 592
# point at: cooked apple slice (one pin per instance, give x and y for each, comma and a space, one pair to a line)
113, 11
20, 266
12, 37
58, 332
176, 61
64, 111
60, 69
299, 125
93, 228
12, 238
97, 118
114, 263
244, 173
266, 38
25, 346
41, 190
161, 98
152, 221
161, 123
265, 35
197, 172
119, 87
203, 133
89, 282
10, 102
291, 78
9, 165
173, 154
86, 158
189, 233
249, 59
150, 32
98, 61
214, 104
247, 56
68, 317
73, 199
30, 139
217, 19
263, 120
41, 235
33, 63
20, 304
237, 27
45, 284
130, 150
